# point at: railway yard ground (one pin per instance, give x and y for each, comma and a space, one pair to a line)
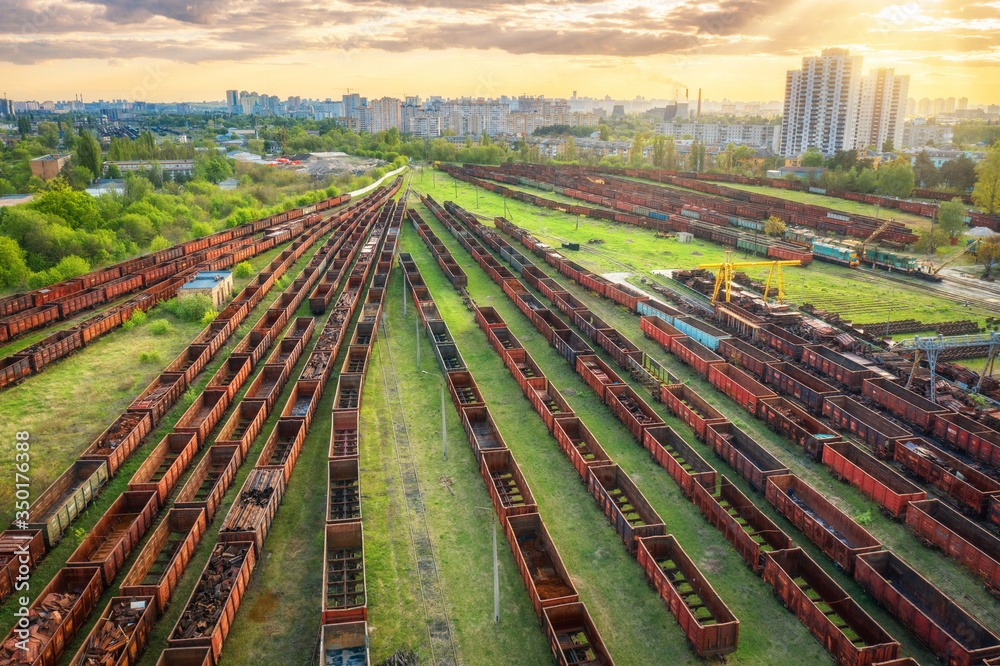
429, 521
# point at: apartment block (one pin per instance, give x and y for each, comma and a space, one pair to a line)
881, 109
821, 100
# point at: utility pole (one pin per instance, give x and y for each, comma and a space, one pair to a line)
496, 567
416, 329
444, 429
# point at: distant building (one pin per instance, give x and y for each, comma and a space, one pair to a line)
821, 101
963, 103
757, 136
48, 167
921, 135
881, 109
173, 167
424, 126
217, 285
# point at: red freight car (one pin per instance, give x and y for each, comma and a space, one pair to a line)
905, 404
572, 635
209, 480
550, 404
631, 410
481, 430
695, 354
525, 371
120, 439
746, 356
488, 318
659, 330
504, 341
590, 325
937, 524
163, 467
577, 442
683, 463
622, 502
836, 533
116, 533
690, 407
507, 487
544, 574
870, 427
969, 486
874, 478
746, 456
738, 385
706, 620
792, 380
780, 339
956, 637
835, 365
232, 374
597, 374
203, 414
785, 418
744, 525
620, 348
344, 591
816, 600
979, 441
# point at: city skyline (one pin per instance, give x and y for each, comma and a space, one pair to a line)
736, 48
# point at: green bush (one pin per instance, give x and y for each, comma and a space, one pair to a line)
243, 270
865, 519
160, 327
208, 317
193, 308
150, 357
138, 318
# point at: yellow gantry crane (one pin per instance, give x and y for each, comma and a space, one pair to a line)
725, 271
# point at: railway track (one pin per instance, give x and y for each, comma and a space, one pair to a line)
990, 306
439, 631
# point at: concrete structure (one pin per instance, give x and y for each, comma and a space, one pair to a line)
424, 126
217, 285
881, 109
821, 101
173, 167
921, 135
526, 123
713, 134
939, 157
384, 113
48, 167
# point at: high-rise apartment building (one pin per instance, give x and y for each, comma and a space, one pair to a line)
963, 103
232, 99
821, 102
925, 107
880, 109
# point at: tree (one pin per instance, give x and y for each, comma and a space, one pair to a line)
844, 160
986, 193
670, 153
635, 155
69, 267
23, 126
774, 226
895, 178
48, 133
742, 155
88, 152
951, 217
570, 149
866, 181
924, 171
887, 146
605, 132
812, 158
960, 173
214, 169
930, 240
988, 253
13, 269
114, 171
80, 177
659, 150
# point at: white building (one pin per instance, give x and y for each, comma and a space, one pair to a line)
722, 134
881, 109
821, 101
425, 126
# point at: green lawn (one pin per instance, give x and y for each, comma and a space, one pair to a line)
932, 564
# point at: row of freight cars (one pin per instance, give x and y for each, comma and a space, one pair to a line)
842, 627
344, 603
851, 636
920, 208
97, 560
35, 309
169, 270
569, 629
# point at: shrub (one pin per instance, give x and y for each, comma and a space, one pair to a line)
243, 270
150, 357
138, 318
865, 519
160, 327
208, 317
193, 308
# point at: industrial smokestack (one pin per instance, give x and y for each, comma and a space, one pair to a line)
699, 102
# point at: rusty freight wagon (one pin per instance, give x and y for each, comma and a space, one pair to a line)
507, 487
837, 366
836, 533
570, 345
597, 374
211, 608
577, 442
116, 533
118, 442
691, 408
743, 524
956, 637
121, 633
550, 404
905, 404
622, 502
231, 376
67, 496
631, 410
785, 418
708, 624
694, 354
481, 430
214, 335
346, 642
286, 353
243, 426
463, 389
268, 384
979, 441
869, 426
504, 341
158, 567
590, 324
163, 467
784, 342
343, 490
190, 362
55, 617
620, 348
971, 488
209, 480
252, 512
160, 395
657, 329
20, 552
344, 592
573, 637
745, 356
301, 404
836, 620
283, 446
567, 303
204, 414
13, 369
524, 370
488, 318
738, 385
794, 381
891, 490
52, 348
676, 456
744, 454
545, 576
255, 344
344, 434
936, 524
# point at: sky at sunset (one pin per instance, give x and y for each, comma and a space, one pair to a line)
170, 50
